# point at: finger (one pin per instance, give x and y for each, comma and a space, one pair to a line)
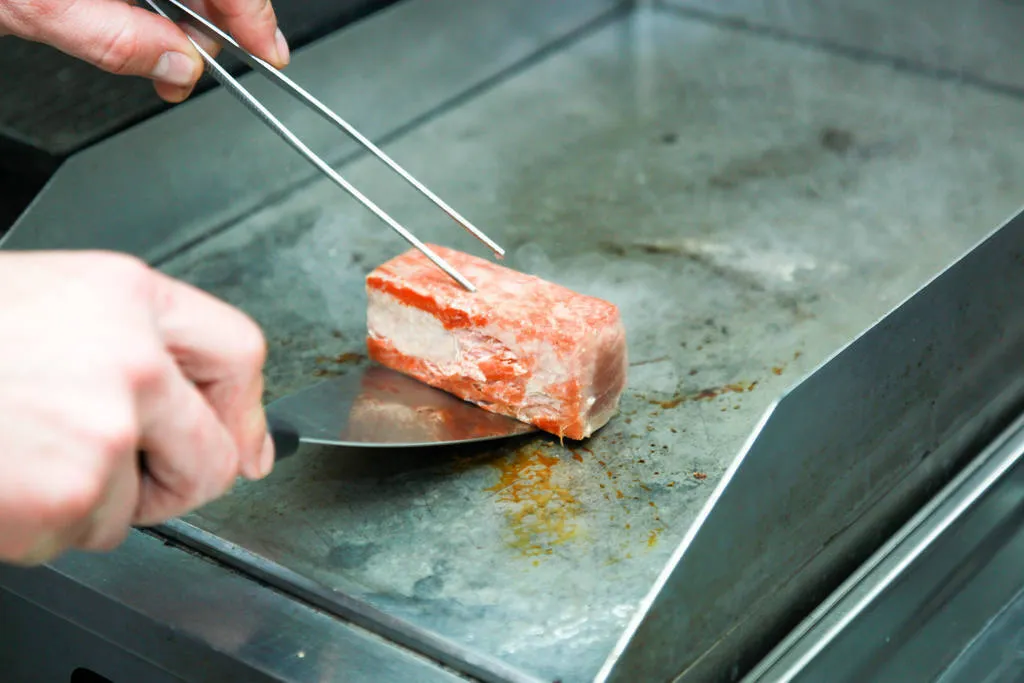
171, 93
204, 39
254, 25
174, 93
221, 350
121, 39
110, 522
190, 457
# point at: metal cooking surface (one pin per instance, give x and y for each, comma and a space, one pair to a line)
751, 205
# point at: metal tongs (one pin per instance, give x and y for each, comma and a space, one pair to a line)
289, 86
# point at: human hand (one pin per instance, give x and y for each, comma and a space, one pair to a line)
122, 39
102, 357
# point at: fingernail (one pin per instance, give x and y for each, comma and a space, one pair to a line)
284, 55
175, 68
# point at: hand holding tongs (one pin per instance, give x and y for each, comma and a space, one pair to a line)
254, 105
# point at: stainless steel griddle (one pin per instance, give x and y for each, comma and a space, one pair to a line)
754, 205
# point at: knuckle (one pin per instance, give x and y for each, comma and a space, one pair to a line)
118, 50
144, 369
29, 19
252, 345
123, 273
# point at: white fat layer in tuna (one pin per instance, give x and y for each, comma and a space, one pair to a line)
412, 331
418, 334
549, 371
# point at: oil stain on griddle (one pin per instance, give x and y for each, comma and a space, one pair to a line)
332, 366
540, 513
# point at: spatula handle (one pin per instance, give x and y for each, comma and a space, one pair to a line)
284, 436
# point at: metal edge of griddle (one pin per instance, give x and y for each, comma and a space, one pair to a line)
146, 168
880, 426
347, 607
234, 628
892, 561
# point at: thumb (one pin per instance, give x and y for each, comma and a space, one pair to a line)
122, 39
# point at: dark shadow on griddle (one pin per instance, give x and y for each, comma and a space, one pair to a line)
335, 462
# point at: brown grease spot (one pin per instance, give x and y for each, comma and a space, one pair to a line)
705, 395
540, 514
671, 403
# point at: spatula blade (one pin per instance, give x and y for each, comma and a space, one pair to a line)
380, 408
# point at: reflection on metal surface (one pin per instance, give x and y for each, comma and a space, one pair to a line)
378, 407
839, 461
186, 616
947, 39
996, 654
351, 609
942, 586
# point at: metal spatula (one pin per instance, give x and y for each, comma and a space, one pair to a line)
380, 408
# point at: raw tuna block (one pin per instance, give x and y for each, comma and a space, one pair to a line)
519, 346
